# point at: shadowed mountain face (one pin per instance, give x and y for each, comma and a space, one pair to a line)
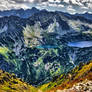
36, 48
86, 15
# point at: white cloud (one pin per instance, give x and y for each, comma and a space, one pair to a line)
71, 9
77, 6
7, 5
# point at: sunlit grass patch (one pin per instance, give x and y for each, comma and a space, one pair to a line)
4, 51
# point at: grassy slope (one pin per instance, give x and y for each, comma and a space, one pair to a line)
79, 74
9, 83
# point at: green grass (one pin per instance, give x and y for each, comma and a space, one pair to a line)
4, 51
10, 83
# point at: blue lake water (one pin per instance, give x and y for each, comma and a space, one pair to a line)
46, 47
80, 44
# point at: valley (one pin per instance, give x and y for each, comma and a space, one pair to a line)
46, 49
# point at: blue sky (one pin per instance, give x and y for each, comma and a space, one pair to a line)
71, 6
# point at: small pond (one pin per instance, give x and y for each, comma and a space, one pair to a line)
46, 47
80, 44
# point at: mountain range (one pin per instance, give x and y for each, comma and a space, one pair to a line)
39, 45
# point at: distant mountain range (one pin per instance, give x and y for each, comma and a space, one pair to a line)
86, 15
29, 12
20, 13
